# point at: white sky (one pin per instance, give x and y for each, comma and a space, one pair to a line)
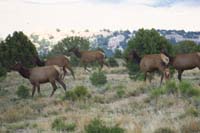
42, 15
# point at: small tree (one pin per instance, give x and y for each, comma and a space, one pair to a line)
65, 44
17, 48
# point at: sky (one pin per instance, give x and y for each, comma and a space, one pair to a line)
47, 15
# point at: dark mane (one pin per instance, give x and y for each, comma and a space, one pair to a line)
136, 57
38, 62
77, 52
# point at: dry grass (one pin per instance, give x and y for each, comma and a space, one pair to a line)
135, 111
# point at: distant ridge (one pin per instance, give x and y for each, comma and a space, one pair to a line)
106, 39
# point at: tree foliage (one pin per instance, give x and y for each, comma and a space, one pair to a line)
186, 47
65, 44
118, 53
17, 47
148, 42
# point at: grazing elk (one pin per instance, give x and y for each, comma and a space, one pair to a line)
183, 62
39, 75
89, 57
152, 62
60, 60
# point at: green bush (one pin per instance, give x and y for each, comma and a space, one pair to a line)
192, 112
74, 61
164, 130
3, 92
112, 62
59, 125
3, 72
98, 78
184, 88
22, 92
171, 87
157, 91
97, 126
188, 90
120, 91
78, 93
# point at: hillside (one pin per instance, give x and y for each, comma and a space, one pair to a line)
105, 39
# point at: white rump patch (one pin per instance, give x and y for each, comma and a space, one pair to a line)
198, 53
165, 59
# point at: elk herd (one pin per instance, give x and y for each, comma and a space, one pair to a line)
54, 69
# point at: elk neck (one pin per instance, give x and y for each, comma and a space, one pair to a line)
25, 72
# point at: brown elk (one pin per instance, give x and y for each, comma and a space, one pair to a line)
39, 75
60, 60
183, 62
152, 62
89, 57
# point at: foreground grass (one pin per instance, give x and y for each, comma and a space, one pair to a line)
133, 106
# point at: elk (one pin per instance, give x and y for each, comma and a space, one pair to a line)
152, 62
182, 62
87, 57
40, 75
60, 60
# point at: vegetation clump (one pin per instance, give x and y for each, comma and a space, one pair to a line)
23, 92
164, 130
183, 88
59, 125
120, 91
98, 78
112, 62
3, 72
78, 93
98, 126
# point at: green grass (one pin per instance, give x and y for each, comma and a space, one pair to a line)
78, 93
164, 130
98, 78
185, 88
98, 126
23, 92
59, 125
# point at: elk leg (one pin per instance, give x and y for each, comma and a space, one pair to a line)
38, 89
101, 64
85, 67
145, 76
72, 72
62, 84
150, 77
65, 72
161, 79
179, 74
33, 91
54, 88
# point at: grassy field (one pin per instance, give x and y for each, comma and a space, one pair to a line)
131, 105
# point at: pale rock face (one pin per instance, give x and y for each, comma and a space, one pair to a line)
115, 41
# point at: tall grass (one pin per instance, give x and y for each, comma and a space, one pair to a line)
184, 88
